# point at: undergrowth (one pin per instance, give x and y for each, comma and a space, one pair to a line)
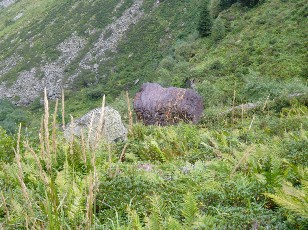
240, 175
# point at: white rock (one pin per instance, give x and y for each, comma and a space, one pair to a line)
112, 129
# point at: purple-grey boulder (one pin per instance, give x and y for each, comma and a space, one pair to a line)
155, 105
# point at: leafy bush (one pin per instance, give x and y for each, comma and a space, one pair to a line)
218, 30
11, 116
7, 146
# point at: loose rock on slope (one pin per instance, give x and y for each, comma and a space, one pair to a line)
166, 106
112, 127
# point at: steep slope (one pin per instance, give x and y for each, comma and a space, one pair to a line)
41, 56
56, 43
105, 47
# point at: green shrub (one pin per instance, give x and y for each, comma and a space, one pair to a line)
7, 146
295, 148
123, 190
11, 116
218, 30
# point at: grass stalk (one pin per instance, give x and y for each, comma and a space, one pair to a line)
41, 138
129, 114
251, 123
54, 130
93, 181
43, 174
63, 110
46, 122
233, 103
265, 103
100, 128
241, 161
83, 148
20, 178
90, 131
72, 136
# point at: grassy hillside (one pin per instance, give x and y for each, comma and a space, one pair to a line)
236, 169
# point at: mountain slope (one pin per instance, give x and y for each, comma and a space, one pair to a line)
104, 47
68, 40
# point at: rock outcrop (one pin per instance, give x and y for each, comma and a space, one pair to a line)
6, 3
112, 129
166, 106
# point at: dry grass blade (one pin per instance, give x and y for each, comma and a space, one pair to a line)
129, 112
72, 136
54, 130
38, 162
93, 182
242, 160
46, 122
251, 123
83, 146
100, 128
90, 131
7, 213
89, 208
63, 110
20, 176
20, 171
233, 103
41, 138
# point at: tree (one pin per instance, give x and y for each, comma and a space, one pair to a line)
205, 22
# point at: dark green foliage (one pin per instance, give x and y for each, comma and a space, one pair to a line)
295, 149
250, 3
218, 31
120, 191
225, 4
161, 144
205, 22
7, 145
11, 116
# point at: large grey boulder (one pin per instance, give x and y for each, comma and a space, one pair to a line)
155, 105
112, 129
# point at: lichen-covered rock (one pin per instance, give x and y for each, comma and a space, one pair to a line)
112, 128
166, 106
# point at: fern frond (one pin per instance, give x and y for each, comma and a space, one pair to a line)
190, 209
156, 220
293, 199
134, 221
173, 224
